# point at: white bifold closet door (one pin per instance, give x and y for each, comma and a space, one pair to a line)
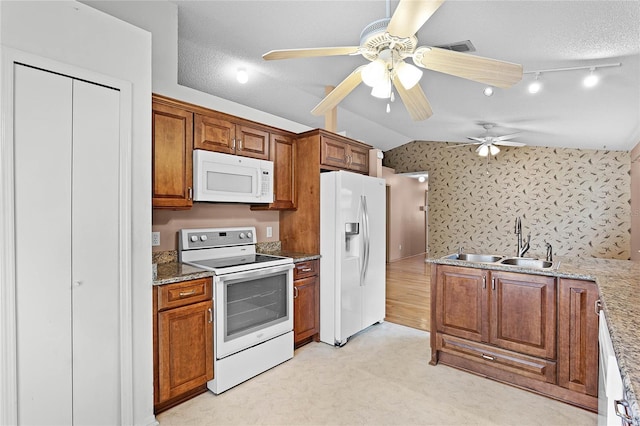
66, 141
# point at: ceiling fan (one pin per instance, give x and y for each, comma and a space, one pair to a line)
489, 144
387, 43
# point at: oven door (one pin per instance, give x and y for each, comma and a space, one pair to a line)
252, 307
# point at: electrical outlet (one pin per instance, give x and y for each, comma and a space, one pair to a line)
155, 239
269, 232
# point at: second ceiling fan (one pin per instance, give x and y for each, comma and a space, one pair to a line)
387, 43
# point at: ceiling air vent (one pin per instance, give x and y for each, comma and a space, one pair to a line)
461, 46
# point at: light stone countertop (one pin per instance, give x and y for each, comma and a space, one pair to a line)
619, 286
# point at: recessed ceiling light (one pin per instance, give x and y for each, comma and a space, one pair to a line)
488, 91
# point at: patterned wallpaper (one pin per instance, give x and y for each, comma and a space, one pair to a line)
577, 200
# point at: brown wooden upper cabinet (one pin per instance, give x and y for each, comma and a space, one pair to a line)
172, 176
215, 132
343, 154
283, 155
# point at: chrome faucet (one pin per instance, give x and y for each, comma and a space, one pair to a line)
549, 252
522, 248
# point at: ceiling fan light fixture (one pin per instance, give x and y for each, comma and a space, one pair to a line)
591, 80
375, 73
408, 74
382, 90
483, 151
493, 149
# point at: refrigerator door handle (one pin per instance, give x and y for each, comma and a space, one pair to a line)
365, 225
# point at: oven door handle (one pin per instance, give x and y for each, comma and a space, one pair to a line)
254, 273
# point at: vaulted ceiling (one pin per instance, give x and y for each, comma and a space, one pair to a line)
218, 37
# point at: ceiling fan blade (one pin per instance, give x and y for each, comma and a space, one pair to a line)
414, 100
311, 52
339, 93
477, 139
462, 144
509, 143
410, 15
505, 137
476, 68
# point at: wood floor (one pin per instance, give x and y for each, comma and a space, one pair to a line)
408, 289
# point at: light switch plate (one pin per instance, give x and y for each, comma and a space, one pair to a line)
269, 232
155, 239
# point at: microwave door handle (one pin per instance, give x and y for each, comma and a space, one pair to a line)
258, 190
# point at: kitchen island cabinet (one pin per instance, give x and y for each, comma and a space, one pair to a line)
182, 341
504, 325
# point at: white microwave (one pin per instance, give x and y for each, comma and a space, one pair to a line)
229, 178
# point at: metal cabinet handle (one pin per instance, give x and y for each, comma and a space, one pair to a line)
210, 315
190, 190
488, 357
493, 283
233, 143
187, 293
295, 292
625, 405
305, 270
597, 307
484, 282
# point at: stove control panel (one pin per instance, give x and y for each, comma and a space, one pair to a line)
191, 239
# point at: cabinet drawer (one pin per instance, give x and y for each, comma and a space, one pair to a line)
493, 357
305, 269
184, 293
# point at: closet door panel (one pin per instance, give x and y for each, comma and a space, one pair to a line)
95, 254
42, 140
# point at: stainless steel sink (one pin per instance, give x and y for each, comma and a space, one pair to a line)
527, 262
469, 257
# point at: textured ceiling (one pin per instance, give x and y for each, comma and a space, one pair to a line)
217, 37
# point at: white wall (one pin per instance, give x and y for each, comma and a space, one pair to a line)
78, 35
161, 19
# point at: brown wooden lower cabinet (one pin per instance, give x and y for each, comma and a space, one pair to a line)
183, 341
306, 302
536, 332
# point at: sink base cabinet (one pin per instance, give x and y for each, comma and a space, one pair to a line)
531, 331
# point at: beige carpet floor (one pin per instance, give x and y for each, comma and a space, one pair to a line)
380, 377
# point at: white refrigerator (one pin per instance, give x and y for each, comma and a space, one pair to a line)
352, 248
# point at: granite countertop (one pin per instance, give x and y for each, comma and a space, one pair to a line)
619, 286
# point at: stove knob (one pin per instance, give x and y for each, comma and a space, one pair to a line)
249, 235
241, 235
203, 238
194, 238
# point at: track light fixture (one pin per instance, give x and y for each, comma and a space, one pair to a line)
589, 81
592, 79
535, 85
242, 76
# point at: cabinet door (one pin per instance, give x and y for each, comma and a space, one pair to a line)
214, 134
283, 155
185, 348
306, 313
172, 156
461, 302
358, 159
252, 142
578, 336
523, 313
333, 152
